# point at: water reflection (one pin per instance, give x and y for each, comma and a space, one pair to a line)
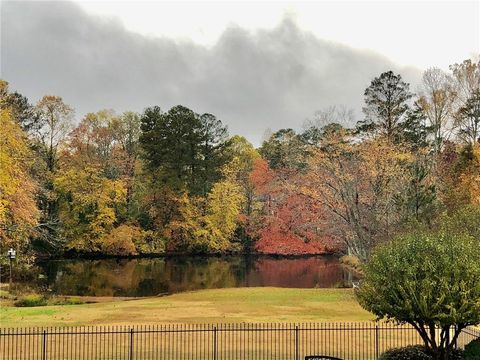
147, 277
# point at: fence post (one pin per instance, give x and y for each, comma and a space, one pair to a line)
297, 343
44, 347
131, 345
215, 342
377, 341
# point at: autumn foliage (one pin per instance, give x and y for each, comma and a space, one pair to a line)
175, 181
285, 221
18, 210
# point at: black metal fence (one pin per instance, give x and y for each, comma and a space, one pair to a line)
217, 342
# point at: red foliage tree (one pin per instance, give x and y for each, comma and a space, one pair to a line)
285, 221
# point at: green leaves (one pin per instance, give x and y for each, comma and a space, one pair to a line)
186, 149
386, 104
425, 278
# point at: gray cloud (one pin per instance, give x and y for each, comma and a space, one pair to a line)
251, 80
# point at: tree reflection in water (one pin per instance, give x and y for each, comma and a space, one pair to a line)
149, 277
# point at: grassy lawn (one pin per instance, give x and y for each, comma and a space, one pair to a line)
207, 306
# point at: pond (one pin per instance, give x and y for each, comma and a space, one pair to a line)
157, 276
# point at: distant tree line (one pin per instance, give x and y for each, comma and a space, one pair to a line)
176, 181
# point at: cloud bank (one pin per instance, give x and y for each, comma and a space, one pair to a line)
250, 80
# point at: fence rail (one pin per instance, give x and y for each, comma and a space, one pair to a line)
217, 342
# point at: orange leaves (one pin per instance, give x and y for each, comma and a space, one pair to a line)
285, 220
261, 176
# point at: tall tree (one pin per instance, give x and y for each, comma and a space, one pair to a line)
89, 205
386, 103
468, 119
224, 205
284, 220
109, 143
184, 149
244, 155
55, 117
467, 79
213, 136
18, 210
415, 130
357, 185
285, 149
127, 132
437, 99
184, 154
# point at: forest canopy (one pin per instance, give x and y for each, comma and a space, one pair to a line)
173, 180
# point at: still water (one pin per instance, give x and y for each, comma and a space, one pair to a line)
156, 276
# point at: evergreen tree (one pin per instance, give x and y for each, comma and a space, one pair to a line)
185, 150
386, 104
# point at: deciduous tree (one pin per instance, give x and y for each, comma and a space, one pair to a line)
437, 99
468, 119
357, 184
285, 149
18, 210
55, 118
89, 205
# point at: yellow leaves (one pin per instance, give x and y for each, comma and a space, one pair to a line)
359, 184
121, 240
89, 204
224, 206
17, 190
470, 184
381, 157
207, 224
13, 152
86, 187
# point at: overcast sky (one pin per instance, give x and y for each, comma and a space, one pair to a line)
254, 65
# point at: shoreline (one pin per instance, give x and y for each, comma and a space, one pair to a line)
95, 256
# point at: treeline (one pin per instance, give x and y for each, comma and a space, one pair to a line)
175, 181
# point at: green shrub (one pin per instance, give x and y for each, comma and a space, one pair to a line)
67, 301
416, 352
74, 301
31, 300
472, 350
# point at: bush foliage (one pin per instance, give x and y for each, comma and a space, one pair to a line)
416, 352
472, 350
31, 300
427, 280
